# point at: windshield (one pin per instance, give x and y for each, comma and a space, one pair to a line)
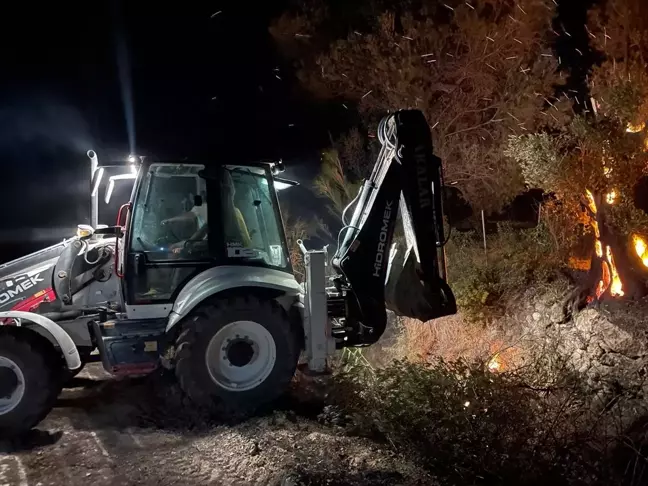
166, 212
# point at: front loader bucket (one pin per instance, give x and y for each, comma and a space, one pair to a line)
410, 294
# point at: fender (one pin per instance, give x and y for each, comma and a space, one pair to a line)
217, 279
63, 339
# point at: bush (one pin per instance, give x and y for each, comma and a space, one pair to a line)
484, 282
467, 425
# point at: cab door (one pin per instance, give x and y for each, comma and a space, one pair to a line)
169, 239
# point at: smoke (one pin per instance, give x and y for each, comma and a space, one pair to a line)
35, 235
44, 123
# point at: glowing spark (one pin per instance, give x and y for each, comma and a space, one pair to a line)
610, 197
491, 67
467, 404
517, 40
367, 94
448, 6
494, 364
215, 14
428, 55
522, 10
470, 6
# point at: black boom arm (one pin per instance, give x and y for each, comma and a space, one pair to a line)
373, 274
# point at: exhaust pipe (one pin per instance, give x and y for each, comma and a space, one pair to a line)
94, 198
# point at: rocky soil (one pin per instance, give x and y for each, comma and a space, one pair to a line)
141, 432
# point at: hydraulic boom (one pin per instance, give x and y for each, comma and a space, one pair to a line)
374, 274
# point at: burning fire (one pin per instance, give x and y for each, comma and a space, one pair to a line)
635, 128
641, 248
610, 278
604, 283
590, 201
494, 364
616, 289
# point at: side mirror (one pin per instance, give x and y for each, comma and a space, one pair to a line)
198, 200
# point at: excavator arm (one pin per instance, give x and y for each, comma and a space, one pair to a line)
373, 274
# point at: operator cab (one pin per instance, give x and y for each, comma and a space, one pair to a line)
185, 218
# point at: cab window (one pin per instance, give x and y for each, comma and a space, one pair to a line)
170, 213
252, 224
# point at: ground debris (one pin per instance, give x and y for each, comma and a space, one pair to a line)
143, 432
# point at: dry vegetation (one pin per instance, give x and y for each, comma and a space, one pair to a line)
470, 396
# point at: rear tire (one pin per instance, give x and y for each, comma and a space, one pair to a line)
236, 355
29, 380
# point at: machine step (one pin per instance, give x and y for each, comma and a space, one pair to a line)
130, 347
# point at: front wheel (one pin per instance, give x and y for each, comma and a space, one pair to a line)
29, 380
236, 354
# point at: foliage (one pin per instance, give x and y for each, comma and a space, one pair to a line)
602, 151
333, 183
479, 73
296, 229
484, 282
467, 425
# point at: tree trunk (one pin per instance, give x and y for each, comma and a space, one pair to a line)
615, 271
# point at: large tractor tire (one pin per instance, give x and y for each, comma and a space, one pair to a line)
29, 380
236, 355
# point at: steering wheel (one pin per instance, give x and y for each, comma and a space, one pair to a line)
168, 229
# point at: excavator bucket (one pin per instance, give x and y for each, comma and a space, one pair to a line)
408, 295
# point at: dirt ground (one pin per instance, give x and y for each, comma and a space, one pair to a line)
142, 432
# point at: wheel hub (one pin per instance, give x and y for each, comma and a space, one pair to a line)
8, 383
240, 356
240, 352
12, 385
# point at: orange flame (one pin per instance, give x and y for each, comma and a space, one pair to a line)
590, 201
641, 248
599, 248
604, 283
632, 128
616, 288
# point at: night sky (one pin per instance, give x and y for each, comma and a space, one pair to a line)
202, 86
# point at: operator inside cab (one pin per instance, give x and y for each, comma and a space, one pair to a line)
236, 230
